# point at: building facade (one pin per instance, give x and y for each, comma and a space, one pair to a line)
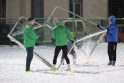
93, 9
42, 8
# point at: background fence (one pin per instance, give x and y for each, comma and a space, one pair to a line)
76, 26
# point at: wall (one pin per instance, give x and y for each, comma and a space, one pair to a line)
17, 8
95, 8
50, 4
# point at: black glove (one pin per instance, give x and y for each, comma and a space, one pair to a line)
71, 41
98, 26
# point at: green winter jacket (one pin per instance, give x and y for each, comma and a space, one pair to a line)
29, 36
61, 34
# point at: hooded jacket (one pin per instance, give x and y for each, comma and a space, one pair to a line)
112, 31
29, 36
61, 35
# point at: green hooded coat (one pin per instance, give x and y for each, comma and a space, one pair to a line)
29, 36
61, 35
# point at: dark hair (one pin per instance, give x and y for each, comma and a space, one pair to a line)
30, 19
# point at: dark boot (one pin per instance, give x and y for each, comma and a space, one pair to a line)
113, 63
110, 63
27, 69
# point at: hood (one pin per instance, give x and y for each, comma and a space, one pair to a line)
112, 18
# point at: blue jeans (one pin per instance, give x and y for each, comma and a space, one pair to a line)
29, 57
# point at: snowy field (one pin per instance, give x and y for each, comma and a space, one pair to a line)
12, 67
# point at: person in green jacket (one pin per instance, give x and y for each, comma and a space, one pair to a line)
60, 35
30, 38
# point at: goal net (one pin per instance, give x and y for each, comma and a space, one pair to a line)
87, 35
43, 51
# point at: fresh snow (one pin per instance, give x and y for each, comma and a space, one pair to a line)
92, 69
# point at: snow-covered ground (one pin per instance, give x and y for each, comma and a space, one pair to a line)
12, 67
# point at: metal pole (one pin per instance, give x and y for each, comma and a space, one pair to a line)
73, 5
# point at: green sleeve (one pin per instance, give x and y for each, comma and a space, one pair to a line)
33, 35
30, 34
53, 34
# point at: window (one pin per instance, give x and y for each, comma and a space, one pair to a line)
80, 26
76, 6
116, 7
37, 8
2, 10
71, 26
